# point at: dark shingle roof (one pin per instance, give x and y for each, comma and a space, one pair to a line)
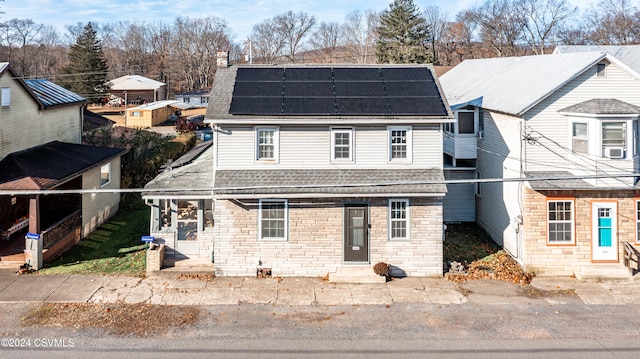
45, 166
556, 184
93, 120
339, 182
604, 107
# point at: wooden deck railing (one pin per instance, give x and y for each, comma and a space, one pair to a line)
630, 256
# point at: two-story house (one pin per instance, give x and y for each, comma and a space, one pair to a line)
41, 153
313, 169
557, 157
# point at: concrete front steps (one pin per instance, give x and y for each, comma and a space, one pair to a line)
187, 266
363, 274
604, 271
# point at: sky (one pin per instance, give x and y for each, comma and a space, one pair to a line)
241, 15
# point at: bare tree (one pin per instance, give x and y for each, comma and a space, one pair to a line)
294, 28
438, 25
500, 25
614, 22
132, 40
266, 41
25, 32
359, 36
325, 39
542, 19
51, 55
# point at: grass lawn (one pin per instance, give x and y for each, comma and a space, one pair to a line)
113, 248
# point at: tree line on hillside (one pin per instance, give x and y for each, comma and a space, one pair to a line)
183, 53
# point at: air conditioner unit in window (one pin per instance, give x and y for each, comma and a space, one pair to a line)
614, 152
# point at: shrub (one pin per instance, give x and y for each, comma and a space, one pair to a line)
381, 268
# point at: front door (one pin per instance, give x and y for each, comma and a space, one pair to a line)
605, 242
187, 225
356, 234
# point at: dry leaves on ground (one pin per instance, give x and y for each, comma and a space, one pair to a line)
119, 318
500, 266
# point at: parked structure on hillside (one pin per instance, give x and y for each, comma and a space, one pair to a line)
136, 89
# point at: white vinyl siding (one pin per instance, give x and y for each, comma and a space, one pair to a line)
310, 147
272, 220
399, 219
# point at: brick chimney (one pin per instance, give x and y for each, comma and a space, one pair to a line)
223, 59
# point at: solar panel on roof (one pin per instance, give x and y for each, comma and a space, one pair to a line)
308, 74
309, 89
258, 88
260, 74
309, 105
359, 88
336, 91
356, 74
362, 106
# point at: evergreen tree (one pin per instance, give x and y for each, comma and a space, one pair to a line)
403, 34
86, 73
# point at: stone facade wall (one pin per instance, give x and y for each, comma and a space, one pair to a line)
314, 246
563, 260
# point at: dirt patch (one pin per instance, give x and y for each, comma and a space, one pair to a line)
121, 319
500, 266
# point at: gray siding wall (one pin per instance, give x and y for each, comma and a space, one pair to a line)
310, 147
459, 202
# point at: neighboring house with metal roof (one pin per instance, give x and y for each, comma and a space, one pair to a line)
628, 54
136, 89
40, 136
558, 147
195, 97
314, 170
155, 113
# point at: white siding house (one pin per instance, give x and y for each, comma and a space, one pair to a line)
336, 174
558, 153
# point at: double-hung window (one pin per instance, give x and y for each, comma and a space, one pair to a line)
579, 137
399, 144
613, 139
272, 219
560, 222
267, 144
341, 144
399, 219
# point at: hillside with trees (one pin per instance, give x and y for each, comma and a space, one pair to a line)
183, 53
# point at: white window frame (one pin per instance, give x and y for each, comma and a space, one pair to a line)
406, 220
276, 141
334, 132
570, 222
573, 136
624, 138
285, 219
106, 168
5, 96
408, 144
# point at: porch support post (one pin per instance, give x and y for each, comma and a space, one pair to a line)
34, 214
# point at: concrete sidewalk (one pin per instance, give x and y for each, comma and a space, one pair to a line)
305, 291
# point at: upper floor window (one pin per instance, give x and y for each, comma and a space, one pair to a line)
342, 144
105, 174
601, 70
560, 222
5, 96
580, 137
267, 143
613, 139
272, 221
466, 122
399, 144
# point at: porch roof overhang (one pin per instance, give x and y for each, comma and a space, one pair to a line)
309, 183
567, 181
49, 165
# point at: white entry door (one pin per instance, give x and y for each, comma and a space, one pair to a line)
604, 246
